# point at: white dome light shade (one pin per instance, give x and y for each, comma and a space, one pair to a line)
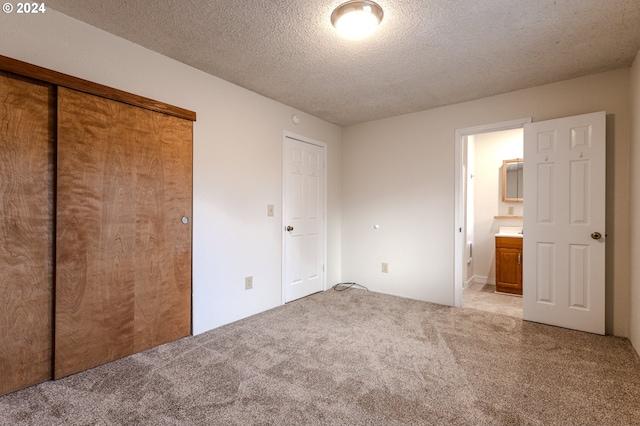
357, 19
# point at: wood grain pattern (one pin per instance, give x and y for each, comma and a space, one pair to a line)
64, 80
27, 146
123, 271
509, 242
509, 265
164, 184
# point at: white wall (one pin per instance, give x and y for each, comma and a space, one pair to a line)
237, 157
634, 323
490, 149
468, 162
399, 172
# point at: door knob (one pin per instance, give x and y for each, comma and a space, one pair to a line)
596, 235
289, 228
185, 220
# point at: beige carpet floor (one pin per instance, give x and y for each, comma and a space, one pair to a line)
354, 358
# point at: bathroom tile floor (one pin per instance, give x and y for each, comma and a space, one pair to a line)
483, 297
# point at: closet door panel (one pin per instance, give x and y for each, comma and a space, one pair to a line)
124, 256
27, 146
164, 182
95, 239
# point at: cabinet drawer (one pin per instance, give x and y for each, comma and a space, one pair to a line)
508, 242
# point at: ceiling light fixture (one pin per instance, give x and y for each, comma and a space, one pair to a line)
357, 19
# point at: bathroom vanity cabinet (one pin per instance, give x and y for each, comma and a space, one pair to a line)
509, 265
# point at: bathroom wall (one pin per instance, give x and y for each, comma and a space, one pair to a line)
468, 165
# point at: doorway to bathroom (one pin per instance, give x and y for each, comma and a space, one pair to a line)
563, 253
492, 210
484, 210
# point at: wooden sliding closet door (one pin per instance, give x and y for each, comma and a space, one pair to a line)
27, 148
123, 253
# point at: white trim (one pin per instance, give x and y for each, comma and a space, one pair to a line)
458, 245
288, 135
468, 283
477, 279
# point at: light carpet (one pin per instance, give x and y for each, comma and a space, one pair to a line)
354, 358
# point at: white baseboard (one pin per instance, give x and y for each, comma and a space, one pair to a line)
468, 283
482, 280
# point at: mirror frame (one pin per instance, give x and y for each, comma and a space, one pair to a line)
504, 181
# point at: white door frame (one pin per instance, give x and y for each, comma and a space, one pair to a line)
459, 195
289, 135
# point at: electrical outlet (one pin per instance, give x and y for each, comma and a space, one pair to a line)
248, 283
270, 210
385, 267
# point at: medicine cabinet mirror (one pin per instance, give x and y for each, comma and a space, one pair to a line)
512, 178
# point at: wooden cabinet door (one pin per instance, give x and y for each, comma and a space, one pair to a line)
27, 147
509, 270
509, 265
123, 253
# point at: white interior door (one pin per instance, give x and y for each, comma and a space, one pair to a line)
564, 222
303, 218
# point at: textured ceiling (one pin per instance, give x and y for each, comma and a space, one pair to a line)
425, 54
